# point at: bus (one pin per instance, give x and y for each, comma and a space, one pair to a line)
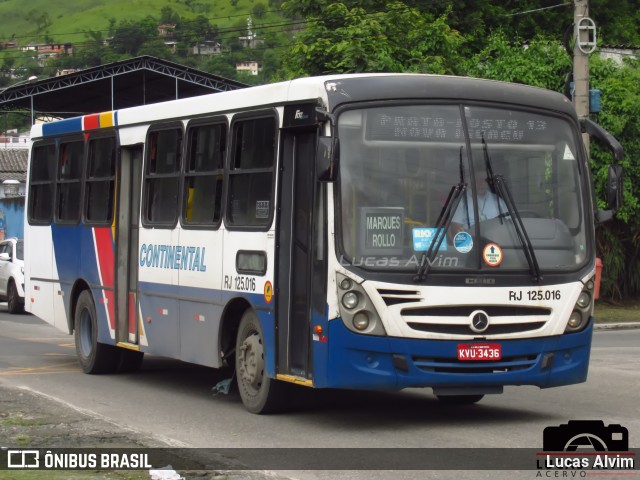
321, 232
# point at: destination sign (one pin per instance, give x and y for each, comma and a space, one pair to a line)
381, 230
442, 124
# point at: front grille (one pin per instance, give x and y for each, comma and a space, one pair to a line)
464, 329
454, 319
453, 365
395, 297
466, 310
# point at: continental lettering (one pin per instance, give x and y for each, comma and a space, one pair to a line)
173, 257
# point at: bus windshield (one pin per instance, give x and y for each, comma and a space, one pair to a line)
398, 165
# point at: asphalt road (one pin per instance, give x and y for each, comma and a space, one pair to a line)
174, 402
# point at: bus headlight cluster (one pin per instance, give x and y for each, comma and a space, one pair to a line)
356, 309
582, 310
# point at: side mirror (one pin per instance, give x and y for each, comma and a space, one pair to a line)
327, 153
614, 187
5, 256
614, 194
595, 130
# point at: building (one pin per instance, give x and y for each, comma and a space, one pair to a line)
11, 139
166, 30
252, 67
618, 53
209, 47
13, 174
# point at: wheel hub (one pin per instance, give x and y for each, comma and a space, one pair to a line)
251, 361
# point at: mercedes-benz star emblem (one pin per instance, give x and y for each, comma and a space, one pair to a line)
479, 321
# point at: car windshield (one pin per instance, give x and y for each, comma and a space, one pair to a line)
20, 250
398, 165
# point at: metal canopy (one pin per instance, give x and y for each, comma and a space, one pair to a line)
128, 83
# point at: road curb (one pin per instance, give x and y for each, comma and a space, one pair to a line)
616, 326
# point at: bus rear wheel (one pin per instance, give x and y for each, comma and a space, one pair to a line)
459, 399
259, 393
94, 357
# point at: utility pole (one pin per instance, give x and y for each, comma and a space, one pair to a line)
584, 44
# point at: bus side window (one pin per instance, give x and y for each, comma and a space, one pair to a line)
203, 175
70, 161
162, 174
100, 181
251, 172
43, 171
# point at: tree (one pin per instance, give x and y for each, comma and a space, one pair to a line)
129, 36
542, 62
343, 39
169, 16
618, 241
259, 10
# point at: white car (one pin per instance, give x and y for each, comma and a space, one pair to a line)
12, 274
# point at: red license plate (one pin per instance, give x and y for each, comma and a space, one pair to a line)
479, 351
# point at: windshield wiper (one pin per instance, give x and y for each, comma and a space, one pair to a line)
442, 225
499, 186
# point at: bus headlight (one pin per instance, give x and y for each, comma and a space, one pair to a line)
350, 300
582, 310
345, 284
583, 300
575, 319
361, 320
356, 308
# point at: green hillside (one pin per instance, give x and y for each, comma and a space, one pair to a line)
67, 21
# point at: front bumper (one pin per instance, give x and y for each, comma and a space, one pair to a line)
367, 362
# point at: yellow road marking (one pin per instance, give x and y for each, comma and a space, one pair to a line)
47, 369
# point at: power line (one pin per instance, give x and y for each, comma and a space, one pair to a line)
536, 10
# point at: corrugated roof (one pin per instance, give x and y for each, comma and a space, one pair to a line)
13, 164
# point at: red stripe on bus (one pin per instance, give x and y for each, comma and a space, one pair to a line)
91, 122
106, 260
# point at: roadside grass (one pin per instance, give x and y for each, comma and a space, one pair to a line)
20, 422
606, 312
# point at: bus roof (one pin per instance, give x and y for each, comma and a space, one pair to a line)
332, 90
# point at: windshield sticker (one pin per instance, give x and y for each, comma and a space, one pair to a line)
423, 237
568, 155
492, 255
463, 242
381, 230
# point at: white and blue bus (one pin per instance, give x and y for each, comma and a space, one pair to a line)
321, 232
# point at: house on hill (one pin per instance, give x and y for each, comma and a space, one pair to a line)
13, 175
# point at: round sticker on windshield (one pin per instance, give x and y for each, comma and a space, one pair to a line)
463, 242
492, 255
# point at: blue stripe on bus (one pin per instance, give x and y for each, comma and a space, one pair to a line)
367, 362
179, 335
69, 125
75, 258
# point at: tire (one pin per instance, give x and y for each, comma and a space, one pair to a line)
14, 304
129, 361
94, 357
259, 393
456, 400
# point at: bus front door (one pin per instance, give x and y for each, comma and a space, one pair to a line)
128, 215
300, 280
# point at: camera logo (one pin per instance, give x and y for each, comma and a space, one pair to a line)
585, 435
23, 459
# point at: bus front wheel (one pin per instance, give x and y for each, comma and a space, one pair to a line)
94, 357
259, 393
